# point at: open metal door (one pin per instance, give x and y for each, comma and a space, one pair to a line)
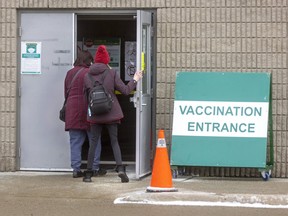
143, 94
44, 145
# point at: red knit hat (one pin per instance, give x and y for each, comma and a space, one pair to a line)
102, 55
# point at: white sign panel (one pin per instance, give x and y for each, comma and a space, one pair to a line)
220, 119
130, 60
30, 57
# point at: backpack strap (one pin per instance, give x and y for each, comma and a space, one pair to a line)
104, 75
94, 81
74, 78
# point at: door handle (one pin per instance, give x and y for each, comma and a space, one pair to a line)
134, 99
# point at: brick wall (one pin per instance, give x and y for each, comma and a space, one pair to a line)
225, 36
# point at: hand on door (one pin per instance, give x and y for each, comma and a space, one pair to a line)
138, 75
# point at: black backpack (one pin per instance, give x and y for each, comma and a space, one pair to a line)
99, 100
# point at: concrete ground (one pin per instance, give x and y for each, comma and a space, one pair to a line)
57, 193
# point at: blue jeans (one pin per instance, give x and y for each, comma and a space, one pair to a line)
77, 139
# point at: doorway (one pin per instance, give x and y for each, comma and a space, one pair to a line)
118, 33
43, 144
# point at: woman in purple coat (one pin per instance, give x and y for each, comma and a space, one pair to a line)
110, 120
76, 113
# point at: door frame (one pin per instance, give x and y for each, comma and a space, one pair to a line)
76, 13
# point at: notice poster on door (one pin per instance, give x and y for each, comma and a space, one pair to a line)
30, 57
130, 60
113, 46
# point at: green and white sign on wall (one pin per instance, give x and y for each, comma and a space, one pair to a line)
30, 57
220, 119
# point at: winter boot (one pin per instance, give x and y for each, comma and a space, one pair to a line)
87, 176
122, 174
99, 172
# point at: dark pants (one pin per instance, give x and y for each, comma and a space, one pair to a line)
96, 130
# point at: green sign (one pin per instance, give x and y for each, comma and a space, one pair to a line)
220, 119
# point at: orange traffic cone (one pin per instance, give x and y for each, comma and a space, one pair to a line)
161, 180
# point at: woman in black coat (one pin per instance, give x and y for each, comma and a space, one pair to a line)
111, 120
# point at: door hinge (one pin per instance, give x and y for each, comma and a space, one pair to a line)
19, 31
19, 152
19, 92
152, 31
